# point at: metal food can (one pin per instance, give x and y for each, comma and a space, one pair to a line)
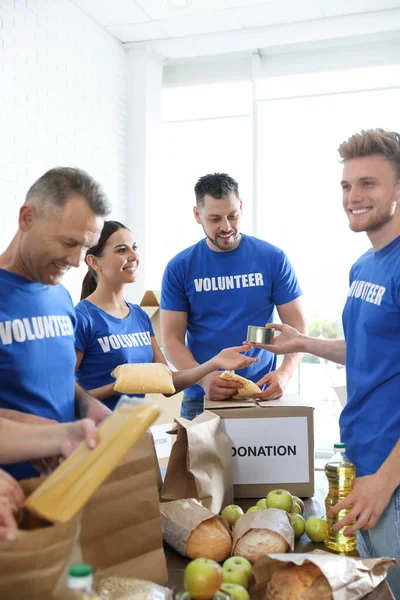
259, 335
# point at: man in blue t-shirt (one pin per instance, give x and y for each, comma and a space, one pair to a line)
62, 216
213, 290
370, 421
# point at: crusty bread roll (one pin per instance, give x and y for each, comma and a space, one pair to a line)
258, 542
249, 389
304, 582
143, 378
210, 539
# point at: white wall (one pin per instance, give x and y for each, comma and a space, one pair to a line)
62, 102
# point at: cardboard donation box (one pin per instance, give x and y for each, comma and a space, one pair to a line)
272, 444
150, 303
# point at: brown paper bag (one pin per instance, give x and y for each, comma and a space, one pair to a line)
200, 465
35, 564
121, 524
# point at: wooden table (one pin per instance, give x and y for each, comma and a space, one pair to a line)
313, 507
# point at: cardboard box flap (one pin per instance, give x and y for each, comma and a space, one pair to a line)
286, 400
151, 298
215, 404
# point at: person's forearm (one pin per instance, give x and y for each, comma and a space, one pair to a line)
333, 350
84, 399
390, 469
104, 392
179, 355
290, 363
188, 377
20, 441
21, 417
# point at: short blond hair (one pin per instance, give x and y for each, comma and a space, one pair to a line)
370, 142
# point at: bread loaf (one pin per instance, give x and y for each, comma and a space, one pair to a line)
293, 582
249, 389
143, 378
258, 542
210, 539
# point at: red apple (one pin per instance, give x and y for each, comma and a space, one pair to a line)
202, 578
280, 499
316, 529
236, 592
231, 513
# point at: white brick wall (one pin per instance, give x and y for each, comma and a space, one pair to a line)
62, 102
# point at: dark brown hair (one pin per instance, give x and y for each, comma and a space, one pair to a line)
216, 185
89, 283
373, 141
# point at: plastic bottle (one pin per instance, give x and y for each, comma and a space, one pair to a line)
80, 582
340, 473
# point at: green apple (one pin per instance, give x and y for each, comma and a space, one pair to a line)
316, 529
231, 513
235, 574
236, 592
202, 578
296, 509
262, 503
299, 525
300, 502
253, 509
280, 499
242, 562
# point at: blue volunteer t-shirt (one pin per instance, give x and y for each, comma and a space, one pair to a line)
37, 355
107, 342
370, 421
223, 293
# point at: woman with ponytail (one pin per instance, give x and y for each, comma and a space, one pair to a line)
111, 331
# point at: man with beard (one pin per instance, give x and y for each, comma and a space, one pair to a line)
213, 290
370, 421
62, 216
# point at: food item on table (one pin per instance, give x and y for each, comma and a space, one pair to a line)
257, 542
300, 502
304, 582
240, 561
236, 591
231, 513
235, 574
127, 588
253, 509
202, 578
210, 539
249, 389
262, 503
280, 499
299, 525
316, 529
296, 509
143, 378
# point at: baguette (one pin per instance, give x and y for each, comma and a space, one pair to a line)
210, 539
249, 389
293, 582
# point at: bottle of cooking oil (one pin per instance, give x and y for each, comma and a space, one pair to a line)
80, 582
340, 473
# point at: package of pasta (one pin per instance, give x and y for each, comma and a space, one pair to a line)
64, 493
143, 378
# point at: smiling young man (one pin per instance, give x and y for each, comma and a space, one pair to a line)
213, 290
370, 421
62, 216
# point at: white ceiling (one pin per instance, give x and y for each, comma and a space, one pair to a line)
211, 26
